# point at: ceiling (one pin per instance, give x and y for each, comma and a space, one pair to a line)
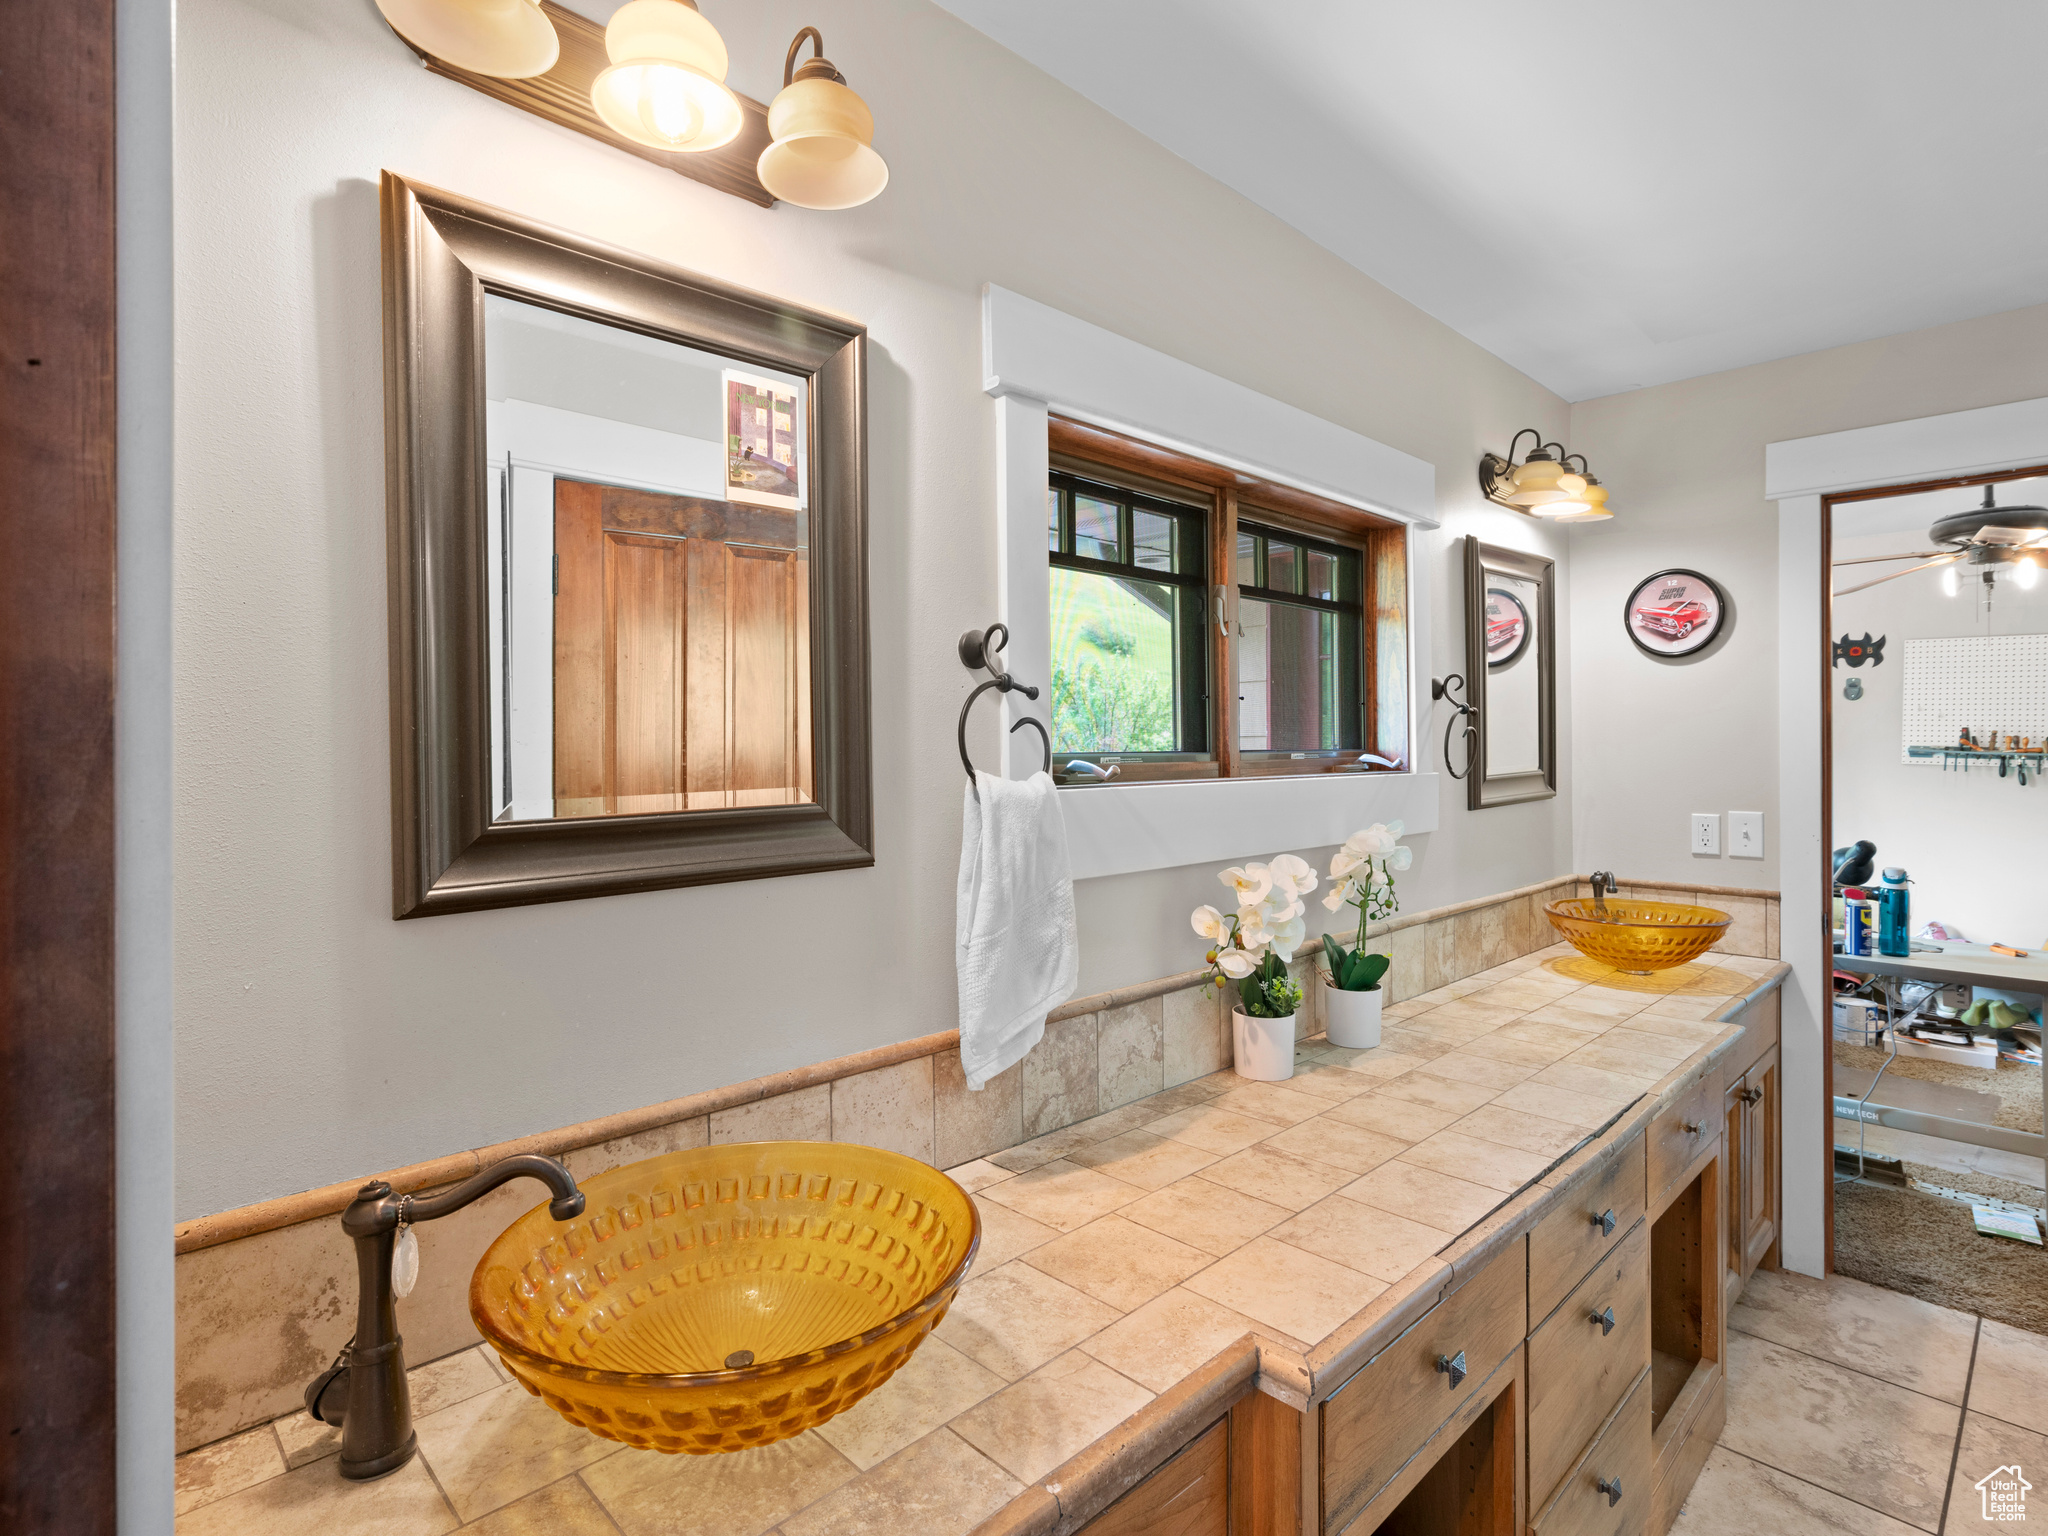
1604, 193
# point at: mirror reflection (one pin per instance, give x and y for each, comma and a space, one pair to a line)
1514, 660
648, 560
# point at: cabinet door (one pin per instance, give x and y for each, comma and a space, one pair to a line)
1189, 1496
1757, 1182
1734, 1113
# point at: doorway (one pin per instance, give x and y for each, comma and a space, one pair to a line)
1934, 741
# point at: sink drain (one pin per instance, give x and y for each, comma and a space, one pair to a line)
739, 1359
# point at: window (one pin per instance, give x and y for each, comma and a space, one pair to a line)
1144, 545
1129, 596
1300, 632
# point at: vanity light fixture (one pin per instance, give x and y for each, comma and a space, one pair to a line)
666, 84
822, 156
506, 39
1545, 484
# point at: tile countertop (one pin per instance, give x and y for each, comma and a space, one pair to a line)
1136, 1270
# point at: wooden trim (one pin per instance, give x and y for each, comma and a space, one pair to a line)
562, 96
1222, 626
1266, 1443
441, 254
1825, 937
57, 544
1913, 488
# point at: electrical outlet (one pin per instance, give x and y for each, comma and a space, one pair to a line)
1745, 834
1706, 832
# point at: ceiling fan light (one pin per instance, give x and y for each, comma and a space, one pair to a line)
1949, 585
2026, 573
666, 84
506, 39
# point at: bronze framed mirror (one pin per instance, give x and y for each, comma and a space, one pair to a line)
1511, 667
627, 518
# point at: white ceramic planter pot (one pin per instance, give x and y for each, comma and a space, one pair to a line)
1264, 1047
1352, 1019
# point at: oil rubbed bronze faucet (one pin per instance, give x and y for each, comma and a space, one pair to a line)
365, 1393
1601, 878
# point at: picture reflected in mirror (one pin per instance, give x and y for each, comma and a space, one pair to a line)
1514, 694
647, 555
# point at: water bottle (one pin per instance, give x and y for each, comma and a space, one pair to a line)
1894, 930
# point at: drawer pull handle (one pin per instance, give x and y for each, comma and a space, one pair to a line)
1453, 1366
1693, 1127
1752, 1095
1606, 1321
1605, 1222
1612, 1488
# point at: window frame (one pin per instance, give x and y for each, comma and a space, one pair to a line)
1255, 759
1131, 464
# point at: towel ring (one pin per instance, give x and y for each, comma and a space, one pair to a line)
977, 653
1440, 688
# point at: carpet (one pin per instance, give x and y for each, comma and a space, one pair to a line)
1906, 1240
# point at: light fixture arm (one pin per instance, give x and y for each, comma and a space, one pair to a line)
817, 64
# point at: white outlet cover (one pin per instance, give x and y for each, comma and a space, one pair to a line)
1745, 834
1706, 833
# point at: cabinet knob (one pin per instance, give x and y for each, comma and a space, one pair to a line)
1606, 1321
1693, 1127
1605, 1222
1453, 1366
1752, 1095
1612, 1488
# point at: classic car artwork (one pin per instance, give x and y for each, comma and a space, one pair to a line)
1677, 619
1507, 628
1674, 613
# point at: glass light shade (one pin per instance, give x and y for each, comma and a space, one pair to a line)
1535, 483
1949, 585
666, 84
2026, 573
1590, 506
506, 39
1572, 484
821, 156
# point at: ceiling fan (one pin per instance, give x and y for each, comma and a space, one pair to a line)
1987, 537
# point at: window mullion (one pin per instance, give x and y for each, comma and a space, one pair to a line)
1223, 631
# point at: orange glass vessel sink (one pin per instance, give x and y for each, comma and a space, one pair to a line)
1637, 936
726, 1297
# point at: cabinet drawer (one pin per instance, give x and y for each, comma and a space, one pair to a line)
1579, 1368
1685, 1129
1378, 1419
1621, 1456
1189, 1496
1594, 1215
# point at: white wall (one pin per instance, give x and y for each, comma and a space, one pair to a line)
318, 1039
1969, 840
1685, 464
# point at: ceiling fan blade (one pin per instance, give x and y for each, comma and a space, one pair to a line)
1918, 554
1895, 575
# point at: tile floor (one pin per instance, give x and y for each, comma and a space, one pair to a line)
1118, 1254
1855, 1411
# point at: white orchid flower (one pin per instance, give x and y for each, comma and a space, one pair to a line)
1236, 964
1250, 881
1339, 894
1287, 936
1208, 923
1342, 862
1279, 906
1294, 873
1400, 858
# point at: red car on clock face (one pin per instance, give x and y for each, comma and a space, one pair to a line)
1674, 620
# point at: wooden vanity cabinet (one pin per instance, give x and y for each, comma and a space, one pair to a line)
1189, 1496
1751, 1110
1687, 1387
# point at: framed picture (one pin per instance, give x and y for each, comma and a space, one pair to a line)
764, 459
1507, 628
1674, 613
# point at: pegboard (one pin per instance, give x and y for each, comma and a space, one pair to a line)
1984, 682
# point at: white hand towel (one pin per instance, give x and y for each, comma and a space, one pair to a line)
1018, 952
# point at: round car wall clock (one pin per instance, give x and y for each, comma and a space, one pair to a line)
1674, 613
1507, 629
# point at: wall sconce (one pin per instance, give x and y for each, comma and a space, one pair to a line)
666, 84
505, 39
1545, 484
821, 157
